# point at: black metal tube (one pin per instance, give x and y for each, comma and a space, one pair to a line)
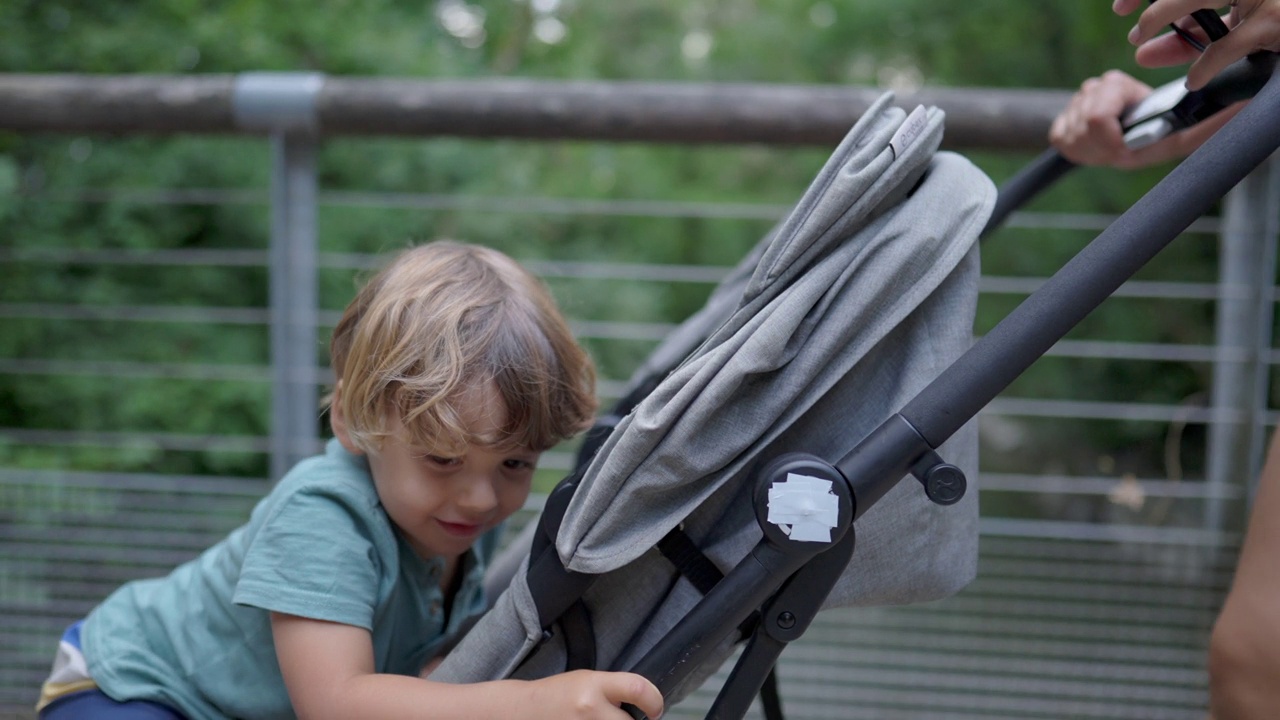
738, 595
877, 463
746, 678
1030, 181
1096, 272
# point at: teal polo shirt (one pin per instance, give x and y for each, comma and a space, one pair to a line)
318, 546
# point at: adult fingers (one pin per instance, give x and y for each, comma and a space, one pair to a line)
1161, 13
1168, 49
1114, 92
1258, 28
1088, 131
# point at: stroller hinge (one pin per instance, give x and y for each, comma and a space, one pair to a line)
785, 617
890, 452
805, 507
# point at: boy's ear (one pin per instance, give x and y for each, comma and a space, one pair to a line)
339, 423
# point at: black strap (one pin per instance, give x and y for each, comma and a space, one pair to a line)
605, 424
770, 700
689, 560
579, 638
681, 551
557, 591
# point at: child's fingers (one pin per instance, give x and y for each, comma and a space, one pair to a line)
635, 690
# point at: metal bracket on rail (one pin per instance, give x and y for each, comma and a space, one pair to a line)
277, 102
283, 106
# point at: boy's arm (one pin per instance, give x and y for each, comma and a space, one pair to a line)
328, 669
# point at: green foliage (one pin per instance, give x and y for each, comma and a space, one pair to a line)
1048, 43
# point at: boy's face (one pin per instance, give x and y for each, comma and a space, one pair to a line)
444, 504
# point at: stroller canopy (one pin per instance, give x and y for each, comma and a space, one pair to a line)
844, 312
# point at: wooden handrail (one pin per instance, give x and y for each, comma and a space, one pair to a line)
663, 112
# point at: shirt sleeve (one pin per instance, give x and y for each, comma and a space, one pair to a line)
315, 556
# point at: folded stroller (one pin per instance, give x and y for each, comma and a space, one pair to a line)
722, 507
857, 300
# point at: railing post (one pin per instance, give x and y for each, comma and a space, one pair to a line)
1237, 435
283, 105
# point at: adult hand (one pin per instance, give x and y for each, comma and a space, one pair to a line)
1254, 25
1088, 131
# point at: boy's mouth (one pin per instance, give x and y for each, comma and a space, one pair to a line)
462, 530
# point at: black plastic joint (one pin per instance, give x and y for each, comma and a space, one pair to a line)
944, 483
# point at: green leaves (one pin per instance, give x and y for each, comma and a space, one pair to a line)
627, 202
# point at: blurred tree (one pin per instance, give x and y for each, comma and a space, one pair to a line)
902, 45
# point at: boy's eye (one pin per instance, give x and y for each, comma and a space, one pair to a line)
443, 461
517, 464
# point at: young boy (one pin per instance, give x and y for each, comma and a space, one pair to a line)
455, 371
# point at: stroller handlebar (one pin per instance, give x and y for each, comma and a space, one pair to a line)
1171, 107
1186, 193
1168, 109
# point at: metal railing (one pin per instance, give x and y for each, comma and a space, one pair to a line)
1077, 611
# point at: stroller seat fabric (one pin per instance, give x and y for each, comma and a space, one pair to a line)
838, 318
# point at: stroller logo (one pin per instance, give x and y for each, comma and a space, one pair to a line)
804, 507
910, 129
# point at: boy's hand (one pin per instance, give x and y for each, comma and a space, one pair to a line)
593, 695
329, 671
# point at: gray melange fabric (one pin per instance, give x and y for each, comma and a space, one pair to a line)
859, 299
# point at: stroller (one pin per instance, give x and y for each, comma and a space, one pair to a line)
717, 508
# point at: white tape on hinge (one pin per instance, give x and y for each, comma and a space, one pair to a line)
804, 507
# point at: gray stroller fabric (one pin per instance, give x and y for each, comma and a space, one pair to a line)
850, 307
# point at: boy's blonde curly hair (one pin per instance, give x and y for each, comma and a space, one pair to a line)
445, 317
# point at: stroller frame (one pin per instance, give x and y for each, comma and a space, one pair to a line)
788, 580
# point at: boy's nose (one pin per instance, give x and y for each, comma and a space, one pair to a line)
477, 496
